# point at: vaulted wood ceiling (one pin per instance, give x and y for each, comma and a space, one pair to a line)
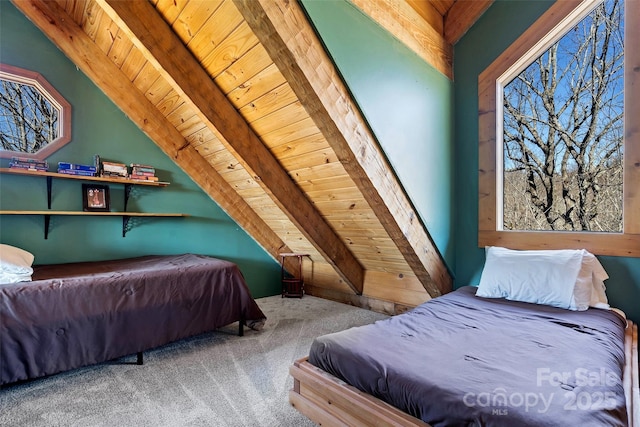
242, 96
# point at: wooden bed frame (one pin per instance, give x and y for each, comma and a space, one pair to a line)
327, 400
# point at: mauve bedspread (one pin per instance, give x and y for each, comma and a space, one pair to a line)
77, 314
461, 360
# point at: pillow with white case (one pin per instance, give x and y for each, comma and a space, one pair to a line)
560, 278
599, 275
15, 264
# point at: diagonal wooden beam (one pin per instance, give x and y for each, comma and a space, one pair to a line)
406, 25
61, 29
160, 45
461, 16
283, 29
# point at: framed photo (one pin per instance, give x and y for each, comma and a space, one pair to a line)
95, 198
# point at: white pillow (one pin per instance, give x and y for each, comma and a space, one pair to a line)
599, 275
15, 264
560, 278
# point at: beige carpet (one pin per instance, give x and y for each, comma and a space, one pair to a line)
215, 379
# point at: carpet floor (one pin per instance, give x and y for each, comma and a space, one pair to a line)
214, 379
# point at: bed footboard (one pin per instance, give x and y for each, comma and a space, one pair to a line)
631, 384
326, 400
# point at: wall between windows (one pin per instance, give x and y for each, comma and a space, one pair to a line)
99, 127
503, 22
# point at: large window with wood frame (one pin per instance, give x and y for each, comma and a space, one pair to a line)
559, 152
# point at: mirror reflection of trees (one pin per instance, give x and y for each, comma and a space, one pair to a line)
28, 120
563, 131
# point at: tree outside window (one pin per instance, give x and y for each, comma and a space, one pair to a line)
35, 119
563, 131
559, 142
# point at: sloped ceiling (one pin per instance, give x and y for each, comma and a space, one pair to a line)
242, 96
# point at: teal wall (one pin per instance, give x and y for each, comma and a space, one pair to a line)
503, 22
99, 127
407, 103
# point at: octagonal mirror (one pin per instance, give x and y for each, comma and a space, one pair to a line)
35, 120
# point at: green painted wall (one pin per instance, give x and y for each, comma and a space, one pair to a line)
99, 127
407, 103
494, 32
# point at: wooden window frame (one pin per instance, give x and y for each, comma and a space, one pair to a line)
490, 233
32, 78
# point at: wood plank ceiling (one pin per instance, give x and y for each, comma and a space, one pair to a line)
241, 95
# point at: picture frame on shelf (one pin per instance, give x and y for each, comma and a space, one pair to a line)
95, 198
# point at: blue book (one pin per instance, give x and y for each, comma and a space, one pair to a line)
75, 166
76, 172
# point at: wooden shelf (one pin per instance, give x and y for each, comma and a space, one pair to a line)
128, 183
126, 216
29, 172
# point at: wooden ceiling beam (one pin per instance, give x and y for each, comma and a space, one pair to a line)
284, 31
429, 28
61, 29
440, 5
461, 16
429, 12
151, 34
406, 24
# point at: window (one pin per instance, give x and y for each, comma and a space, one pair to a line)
559, 162
35, 120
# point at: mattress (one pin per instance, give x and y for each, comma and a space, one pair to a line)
462, 360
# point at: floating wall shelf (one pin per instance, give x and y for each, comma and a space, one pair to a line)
126, 216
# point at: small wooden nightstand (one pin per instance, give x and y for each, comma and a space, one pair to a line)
292, 285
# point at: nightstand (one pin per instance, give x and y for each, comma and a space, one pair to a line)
292, 285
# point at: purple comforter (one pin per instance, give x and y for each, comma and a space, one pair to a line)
462, 360
78, 314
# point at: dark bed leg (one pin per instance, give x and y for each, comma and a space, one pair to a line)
140, 360
241, 328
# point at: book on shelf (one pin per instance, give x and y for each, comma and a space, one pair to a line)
28, 163
141, 166
78, 172
97, 164
30, 168
76, 166
113, 169
141, 173
143, 170
27, 160
107, 174
144, 178
116, 174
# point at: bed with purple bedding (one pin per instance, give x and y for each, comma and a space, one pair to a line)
77, 314
463, 360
